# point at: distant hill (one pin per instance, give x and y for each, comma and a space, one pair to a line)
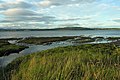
65, 28
106, 28
74, 28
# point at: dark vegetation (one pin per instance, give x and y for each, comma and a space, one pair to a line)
6, 39
66, 28
6, 48
85, 62
117, 42
49, 40
45, 40
113, 38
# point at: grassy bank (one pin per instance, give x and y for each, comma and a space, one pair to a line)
6, 48
85, 62
49, 40
2, 43
6, 39
45, 40
113, 38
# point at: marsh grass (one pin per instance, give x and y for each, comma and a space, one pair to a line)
42, 40
6, 48
85, 62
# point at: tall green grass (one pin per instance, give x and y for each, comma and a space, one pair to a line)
85, 62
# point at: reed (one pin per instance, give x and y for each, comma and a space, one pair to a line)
85, 62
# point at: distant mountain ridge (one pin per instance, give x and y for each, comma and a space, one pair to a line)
74, 28
65, 28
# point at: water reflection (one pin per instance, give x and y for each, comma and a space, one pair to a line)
18, 34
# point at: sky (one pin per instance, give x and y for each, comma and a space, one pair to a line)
46, 14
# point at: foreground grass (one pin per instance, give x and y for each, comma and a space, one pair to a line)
85, 62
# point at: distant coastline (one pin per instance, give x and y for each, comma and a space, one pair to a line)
66, 28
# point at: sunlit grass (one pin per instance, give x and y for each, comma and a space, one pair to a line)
85, 62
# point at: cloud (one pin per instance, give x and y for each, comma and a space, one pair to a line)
24, 15
70, 25
45, 3
16, 4
19, 12
45, 19
27, 15
117, 20
74, 19
48, 3
59, 13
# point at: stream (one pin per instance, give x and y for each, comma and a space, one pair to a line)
32, 49
37, 48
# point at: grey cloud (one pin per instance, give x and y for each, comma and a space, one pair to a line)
46, 19
47, 3
18, 12
117, 20
20, 15
15, 15
34, 17
74, 24
16, 4
74, 19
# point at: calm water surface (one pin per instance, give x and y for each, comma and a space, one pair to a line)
18, 34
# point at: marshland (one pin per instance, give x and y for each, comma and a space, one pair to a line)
59, 39
60, 58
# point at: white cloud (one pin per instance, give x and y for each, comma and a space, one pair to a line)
48, 3
19, 12
45, 3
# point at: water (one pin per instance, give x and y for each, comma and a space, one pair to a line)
32, 48
18, 34
35, 48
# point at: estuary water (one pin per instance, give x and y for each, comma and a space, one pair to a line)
58, 33
35, 48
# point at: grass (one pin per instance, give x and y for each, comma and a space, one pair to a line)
49, 40
7, 48
85, 62
2, 43
45, 40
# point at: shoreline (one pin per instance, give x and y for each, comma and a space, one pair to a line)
7, 48
49, 40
